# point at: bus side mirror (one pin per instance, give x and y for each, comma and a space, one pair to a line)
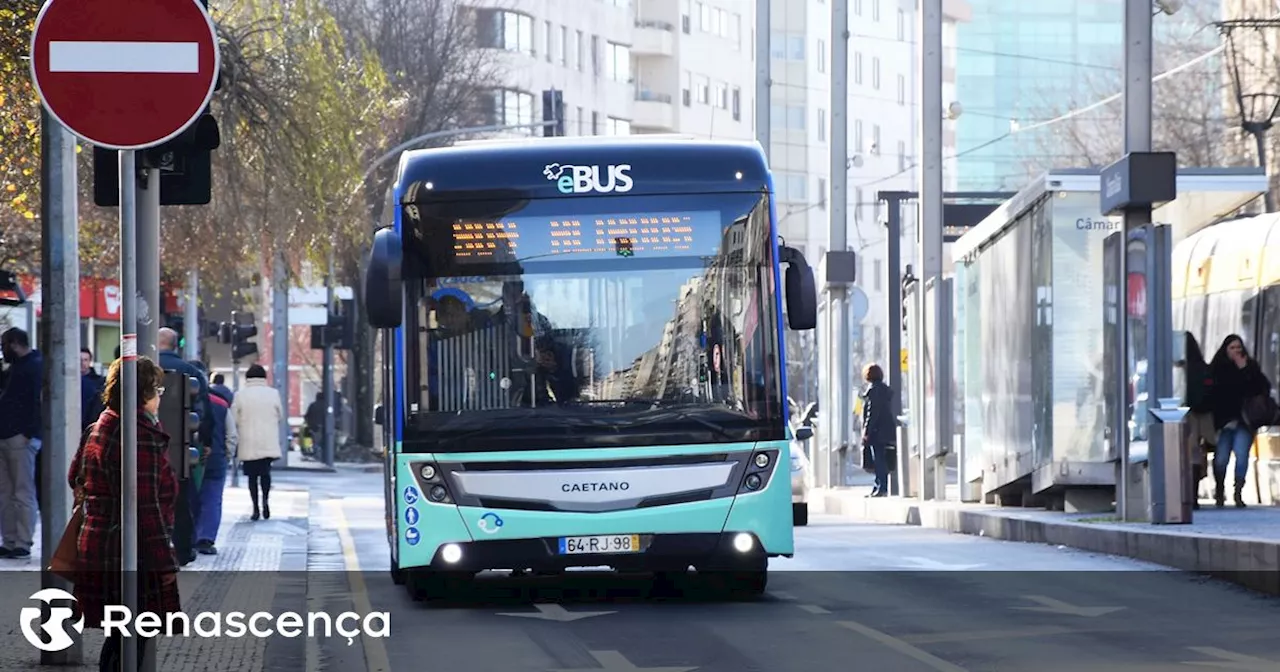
804, 433
802, 296
383, 285
379, 415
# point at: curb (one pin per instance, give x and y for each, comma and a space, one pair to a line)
1253, 564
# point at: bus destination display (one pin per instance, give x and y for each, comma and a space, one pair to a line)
521, 239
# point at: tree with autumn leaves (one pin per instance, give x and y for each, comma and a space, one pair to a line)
312, 92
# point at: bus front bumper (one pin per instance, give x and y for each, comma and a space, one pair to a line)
660, 552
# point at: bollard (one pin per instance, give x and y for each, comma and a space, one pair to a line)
901, 484
1168, 465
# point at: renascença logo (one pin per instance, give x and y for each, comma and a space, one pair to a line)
120, 620
56, 626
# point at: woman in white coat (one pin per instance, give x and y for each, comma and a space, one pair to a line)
258, 413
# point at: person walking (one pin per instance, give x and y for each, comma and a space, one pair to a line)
91, 387
879, 428
1237, 380
20, 414
95, 479
257, 414
223, 444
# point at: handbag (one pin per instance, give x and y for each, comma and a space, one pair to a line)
66, 557
1260, 411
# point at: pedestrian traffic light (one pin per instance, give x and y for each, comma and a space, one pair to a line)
241, 346
179, 419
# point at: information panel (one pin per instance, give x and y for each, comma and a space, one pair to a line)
520, 239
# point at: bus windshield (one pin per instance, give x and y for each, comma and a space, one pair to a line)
631, 322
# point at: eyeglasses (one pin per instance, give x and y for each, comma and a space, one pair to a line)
159, 391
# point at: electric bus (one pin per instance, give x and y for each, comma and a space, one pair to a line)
583, 365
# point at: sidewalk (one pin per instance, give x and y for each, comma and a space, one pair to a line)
260, 566
1237, 545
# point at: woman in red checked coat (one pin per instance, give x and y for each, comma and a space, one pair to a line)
95, 478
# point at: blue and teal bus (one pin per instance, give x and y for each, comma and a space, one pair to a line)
583, 360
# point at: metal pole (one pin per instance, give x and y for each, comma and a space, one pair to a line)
838, 325
1137, 138
191, 316
129, 399
327, 374
235, 389
280, 345
148, 241
893, 283
61, 307
931, 216
764, 78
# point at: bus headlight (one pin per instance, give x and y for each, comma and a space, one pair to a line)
762, 460
742, 542
428, 472
451, 553
437, 493
754, 481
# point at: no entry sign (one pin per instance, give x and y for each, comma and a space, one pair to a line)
125, 74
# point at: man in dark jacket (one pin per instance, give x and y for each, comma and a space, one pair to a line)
91, 385
184, 523
879, 425
223, 440
20, 418
218, 384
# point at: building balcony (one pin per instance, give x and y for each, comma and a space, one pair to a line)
653, 111
653, 38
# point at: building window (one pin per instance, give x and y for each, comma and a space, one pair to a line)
549, 38
857, 7
778, 46
722, 95
877, 275
686, 89
735, 32
822, 193
595, 123
875, 10
618, 126
902, 25
582, 121
737, 104
563, 55
875, 139
684, 16
511, 108
791, 187
704, 17
795, 47
579, 45
857, 67
822, 125
902, 155
704, 90
857, 135
595, 55
617, 62
789, 117
902, 89
498, 29
822, 56
875, 72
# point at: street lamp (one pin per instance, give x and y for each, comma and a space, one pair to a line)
1249, 80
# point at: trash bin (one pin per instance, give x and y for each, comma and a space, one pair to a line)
1168, 464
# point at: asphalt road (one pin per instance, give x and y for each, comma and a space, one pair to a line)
855, 597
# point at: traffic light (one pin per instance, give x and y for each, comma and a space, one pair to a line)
553, 111
179, 419
241, 346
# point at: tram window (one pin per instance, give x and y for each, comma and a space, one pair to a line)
1193, 311
1225, 315
1267, 351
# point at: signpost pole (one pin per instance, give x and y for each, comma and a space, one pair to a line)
129, 399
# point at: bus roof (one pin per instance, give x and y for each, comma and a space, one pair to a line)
560, 167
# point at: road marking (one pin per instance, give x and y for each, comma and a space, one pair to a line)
903, 647
813, 608
375, 654
171, 58
555, 612
782, 595
1231, 661
1049, 605
614, 661
942, 637
930, 564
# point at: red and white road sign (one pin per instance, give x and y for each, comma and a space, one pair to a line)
125, 74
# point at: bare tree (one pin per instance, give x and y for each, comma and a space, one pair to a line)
432, 56
1189, 114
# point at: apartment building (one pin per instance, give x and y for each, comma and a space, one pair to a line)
883, 116
626, 66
